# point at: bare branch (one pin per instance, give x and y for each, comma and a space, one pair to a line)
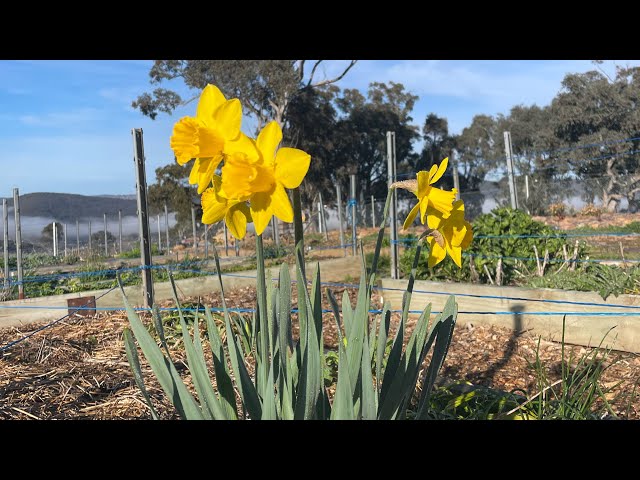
187, 102
313, 72
338, 78
301, 70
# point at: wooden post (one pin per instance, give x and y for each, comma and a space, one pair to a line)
120, 231
226, 239
166, 225
373, 212
456, 179
352, 201
339, 201
78, 236
54, 230
513, 192
143, 216
106, 243
159, 236
16, 213
206, 241
393, 222
323, 218
5, 239
195, 237
90, 247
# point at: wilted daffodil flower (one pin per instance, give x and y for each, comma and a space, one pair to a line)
207, 137
428, 196
449, 235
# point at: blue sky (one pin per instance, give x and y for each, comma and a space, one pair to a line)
65, 125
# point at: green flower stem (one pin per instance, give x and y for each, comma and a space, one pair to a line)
262, 326
297, 219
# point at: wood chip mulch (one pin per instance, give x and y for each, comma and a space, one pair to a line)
78, 368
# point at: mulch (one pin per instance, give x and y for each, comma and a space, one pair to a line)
78, 368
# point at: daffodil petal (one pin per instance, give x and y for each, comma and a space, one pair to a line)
423, 184
292, 165
468, 237
424, 203
436, 253
459, 232
183, 140
281, 205
441, 200
261, 211
194, 174
214, 207
210, 99
456, 254
432, 172
411, 217
228, 118
236, 221
268, 140
206, 171
440, 171
433, 219
242, 144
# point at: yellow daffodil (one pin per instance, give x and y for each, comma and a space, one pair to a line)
215, 207
262, 180
455, 234
427, 195
207, 137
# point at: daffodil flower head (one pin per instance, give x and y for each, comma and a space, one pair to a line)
455, 234
215, 207
209, 135
275, 170
428, 195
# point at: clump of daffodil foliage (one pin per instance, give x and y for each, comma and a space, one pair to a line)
244, 180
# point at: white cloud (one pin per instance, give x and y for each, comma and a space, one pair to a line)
61, 119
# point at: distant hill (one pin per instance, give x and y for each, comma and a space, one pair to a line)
68, 206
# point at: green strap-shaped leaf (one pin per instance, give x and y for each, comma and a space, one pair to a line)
223, 378
443, 340
316, 304
269, 402
310, 381
165, 372
202, 382
383, 335
247, 390
134, 362
336, 313
284, 315
347, 313
342, 408
197, 365
358, 330
393, 362
301, 286
157, 321
368, 396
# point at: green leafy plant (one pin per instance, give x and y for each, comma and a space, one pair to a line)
504, 235
288, 379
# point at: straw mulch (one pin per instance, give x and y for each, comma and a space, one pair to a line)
78, 368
